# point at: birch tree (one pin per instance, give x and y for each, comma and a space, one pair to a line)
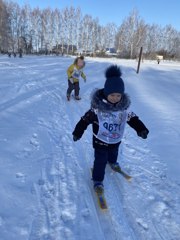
5, 35
131, 34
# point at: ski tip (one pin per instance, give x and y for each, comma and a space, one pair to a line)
104, 208
103, 205
129, 179
101, 201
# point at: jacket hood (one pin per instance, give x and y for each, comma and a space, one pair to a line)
99, 101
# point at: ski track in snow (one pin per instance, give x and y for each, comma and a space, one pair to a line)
56, 171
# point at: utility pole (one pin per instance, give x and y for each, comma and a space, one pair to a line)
139, 61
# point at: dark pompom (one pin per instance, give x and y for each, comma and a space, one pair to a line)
113, 71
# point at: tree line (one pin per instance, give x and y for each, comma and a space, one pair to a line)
68, 30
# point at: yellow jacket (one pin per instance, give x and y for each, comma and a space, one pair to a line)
75, 72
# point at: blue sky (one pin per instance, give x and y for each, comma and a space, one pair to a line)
162, 12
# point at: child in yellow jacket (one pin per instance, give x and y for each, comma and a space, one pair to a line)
74, 73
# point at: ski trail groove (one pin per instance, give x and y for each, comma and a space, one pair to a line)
60, 189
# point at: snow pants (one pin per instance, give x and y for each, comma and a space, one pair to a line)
73, 86
101, 158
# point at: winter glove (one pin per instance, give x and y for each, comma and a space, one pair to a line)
143, 134
75, 138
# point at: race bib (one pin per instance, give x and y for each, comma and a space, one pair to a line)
111, 126
76, 73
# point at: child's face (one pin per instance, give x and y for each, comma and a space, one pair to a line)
80, 63
114, 97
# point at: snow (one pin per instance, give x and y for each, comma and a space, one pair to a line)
46, 189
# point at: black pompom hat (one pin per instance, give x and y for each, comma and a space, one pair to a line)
114, 82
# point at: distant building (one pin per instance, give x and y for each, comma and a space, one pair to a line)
159, 58
111, 52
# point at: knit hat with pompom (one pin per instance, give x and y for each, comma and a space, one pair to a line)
114, 82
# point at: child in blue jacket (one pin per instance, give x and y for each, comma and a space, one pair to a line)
108, 115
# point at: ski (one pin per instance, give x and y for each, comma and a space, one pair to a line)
125, 175
101, 200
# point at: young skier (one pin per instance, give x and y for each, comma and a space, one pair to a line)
74, 73
108, 116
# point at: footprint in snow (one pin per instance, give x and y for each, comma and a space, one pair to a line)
142, 223
21, 177
67, 216
34, 141
161, 209
85, 213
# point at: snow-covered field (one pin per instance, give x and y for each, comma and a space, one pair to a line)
45, 184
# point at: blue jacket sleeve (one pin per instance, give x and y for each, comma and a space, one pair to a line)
82, 125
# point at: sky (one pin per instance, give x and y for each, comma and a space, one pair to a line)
161, 12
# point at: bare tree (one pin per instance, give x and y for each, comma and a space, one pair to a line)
153, 39
89, 33
177, 46
162, 40
169, 39
110, 33
46, 23
24, 40
35, 29
14, 20
131, 35
94, 34
69, 27
101, 40
5, 34
78, 27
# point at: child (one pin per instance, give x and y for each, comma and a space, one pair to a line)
74, 72
108, 116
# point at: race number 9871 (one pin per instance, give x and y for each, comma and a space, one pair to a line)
112, 126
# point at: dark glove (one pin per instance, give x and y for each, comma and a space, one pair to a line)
75, 138
143, 134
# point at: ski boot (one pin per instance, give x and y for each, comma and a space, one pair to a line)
68, 97
77, 98
115, 167
98, 187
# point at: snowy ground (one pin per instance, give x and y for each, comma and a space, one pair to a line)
46, 191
